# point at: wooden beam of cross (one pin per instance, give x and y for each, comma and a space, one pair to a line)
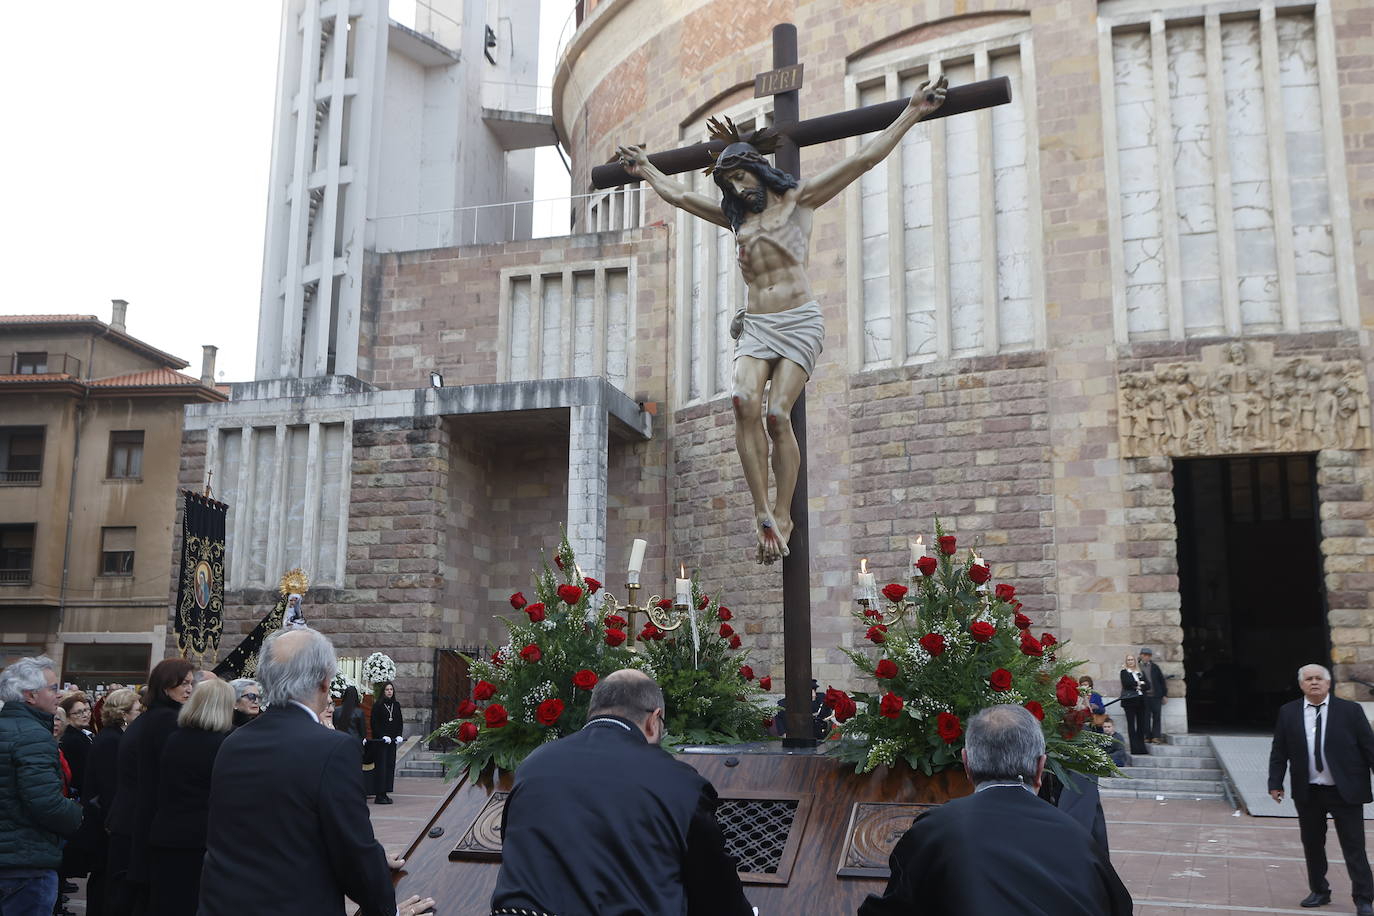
796, 133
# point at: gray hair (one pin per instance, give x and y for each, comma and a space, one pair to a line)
1003, 743
300, 673
1322, 668
627, 693
241, 685
25, 674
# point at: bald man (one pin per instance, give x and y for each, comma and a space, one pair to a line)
1328, 747
604, 821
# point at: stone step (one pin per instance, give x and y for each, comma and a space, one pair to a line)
1165, 794
1180, 762
1189, 740
1180, 750
1173, 773
1184, 787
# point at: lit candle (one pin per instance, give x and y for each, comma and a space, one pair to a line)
684, 588
918, 549
865, 586
637, 559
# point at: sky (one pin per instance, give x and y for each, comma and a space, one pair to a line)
135, 164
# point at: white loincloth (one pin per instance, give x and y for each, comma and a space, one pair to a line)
797, 334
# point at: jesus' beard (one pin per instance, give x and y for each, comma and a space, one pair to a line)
755, 199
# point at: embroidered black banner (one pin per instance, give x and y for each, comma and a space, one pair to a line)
243, 661
200, 594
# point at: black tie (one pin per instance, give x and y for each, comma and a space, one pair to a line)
1317, 741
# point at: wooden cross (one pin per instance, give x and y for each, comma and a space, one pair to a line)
796, 133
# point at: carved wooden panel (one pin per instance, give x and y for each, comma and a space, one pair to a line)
874, 829
1240, 398
483, 837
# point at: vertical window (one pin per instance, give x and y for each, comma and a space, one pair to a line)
577, 323
16, 554
32, 363
126, 454
117, 551
21, 454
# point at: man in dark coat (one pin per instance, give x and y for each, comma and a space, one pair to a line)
957, 859
1327, 744
289, 830
1155, 699
646, 841
34, 814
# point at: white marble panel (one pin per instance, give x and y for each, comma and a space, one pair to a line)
519, 352
1143, 260
551, 333
1197, 212
1259, 303
1131, 67
1249, 158
1317, 301
1306, 154
1255, 252
1251, 205
696, 309
963, 197
920, 323
1202, 307
726, 271
618, 328
1297, 50
1311, 203
1146, 312
1013, 275
918, 248
877, 331
1198, 256
1010, 185
874, 256
584, 323
966, 305
1313, 249
1138, 169
1140, 215
1135, 125
1016, 326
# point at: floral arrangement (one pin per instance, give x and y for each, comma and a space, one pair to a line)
946, 648
537, 686
378, 667
340, 683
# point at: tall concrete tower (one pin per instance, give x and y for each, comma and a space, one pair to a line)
387, 136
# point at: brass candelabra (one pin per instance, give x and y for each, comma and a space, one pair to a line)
666, 620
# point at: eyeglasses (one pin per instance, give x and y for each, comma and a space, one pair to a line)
251, 696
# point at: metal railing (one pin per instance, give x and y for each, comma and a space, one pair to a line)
524, 98
419, 16
16, 576
25, 362
20, 478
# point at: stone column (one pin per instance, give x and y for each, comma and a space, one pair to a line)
587, 471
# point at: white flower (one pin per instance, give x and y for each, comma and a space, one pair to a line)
379, 667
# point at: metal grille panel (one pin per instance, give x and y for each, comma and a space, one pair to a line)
756, 831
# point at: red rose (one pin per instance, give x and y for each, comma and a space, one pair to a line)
832, 696
483, 691
665, 604
531, 653
569, 594
650, 633
1035, 709
891, 705
1000, 679
726, 631
1066, 691
843, 706
979, 573
734, 642
949, 727
948, 544
766, 683
496, 716
1004, 592
593, 586
768, 722
517, 600
584, 679
705, 600
933, 643
548, 711
877, 633
535, 611
927, 566
467, 709
1022, 622
873, 613
1030, 647
496, 658
746, 672
467, 732
1016, 606
1047, 640
894, 592
558, 561
615, 637
981, 630
724, 613
886, 670
614, 622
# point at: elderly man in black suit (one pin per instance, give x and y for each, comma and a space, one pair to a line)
652, 845
956, 859
1328, 746
289, 830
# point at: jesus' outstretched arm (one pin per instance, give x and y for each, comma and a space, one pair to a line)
679, 195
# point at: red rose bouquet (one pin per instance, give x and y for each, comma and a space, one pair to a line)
950, 645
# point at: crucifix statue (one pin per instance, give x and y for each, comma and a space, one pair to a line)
779, 334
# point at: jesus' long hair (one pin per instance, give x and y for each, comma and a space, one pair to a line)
733, 206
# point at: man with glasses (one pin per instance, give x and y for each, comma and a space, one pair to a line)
605, 821
34, 814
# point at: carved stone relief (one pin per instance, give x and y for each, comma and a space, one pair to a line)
1239, 398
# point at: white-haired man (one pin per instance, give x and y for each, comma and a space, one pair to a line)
956, 859
34, 814
1328, 747
289, 830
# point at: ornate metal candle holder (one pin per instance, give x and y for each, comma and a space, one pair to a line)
667, 620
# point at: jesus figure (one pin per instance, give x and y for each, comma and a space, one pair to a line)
780, 332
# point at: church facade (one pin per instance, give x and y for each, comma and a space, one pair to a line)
1111, 334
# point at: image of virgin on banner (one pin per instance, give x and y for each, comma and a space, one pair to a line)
200, 594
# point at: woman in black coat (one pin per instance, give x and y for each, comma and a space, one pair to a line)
75, 744
140, 759
1134, 688
98, 791
176, 839
387, 724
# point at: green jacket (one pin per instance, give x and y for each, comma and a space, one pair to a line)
34, 814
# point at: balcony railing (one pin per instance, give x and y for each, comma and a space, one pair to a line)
20, 478
16, 576
56, 363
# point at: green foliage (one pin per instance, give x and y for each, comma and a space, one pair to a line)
957, 680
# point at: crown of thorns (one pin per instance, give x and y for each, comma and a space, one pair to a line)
760, 142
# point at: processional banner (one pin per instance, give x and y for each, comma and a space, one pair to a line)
243, 661
200, 594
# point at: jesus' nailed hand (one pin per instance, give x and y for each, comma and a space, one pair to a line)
780, 333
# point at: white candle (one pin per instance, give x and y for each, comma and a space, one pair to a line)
684, 589
865, 586
918, 550
637, 559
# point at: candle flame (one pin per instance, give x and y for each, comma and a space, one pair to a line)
863, 565
920, 541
